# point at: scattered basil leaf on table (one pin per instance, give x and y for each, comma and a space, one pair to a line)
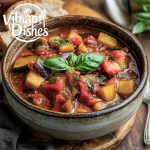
143, 17
139, 27
90, 85
62, 42
146, 7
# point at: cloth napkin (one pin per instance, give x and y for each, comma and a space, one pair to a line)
10, 132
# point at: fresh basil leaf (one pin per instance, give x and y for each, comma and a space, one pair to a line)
89, 62
56, 63
72, 59
71, 69
111, 58
141, 2
142, 16
62, 42
90, 85
101, 79
146, 7
139, 27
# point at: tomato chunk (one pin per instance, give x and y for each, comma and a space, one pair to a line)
76, 41
111, 67
117, 54
54, 87
40, 100
90, 40
59, 100
85, 94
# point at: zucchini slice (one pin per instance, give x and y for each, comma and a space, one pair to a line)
22, 62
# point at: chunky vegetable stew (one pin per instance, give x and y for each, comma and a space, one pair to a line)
75, 70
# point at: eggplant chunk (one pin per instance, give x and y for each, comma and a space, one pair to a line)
126, 87
107, 92
41, 70
66, 48
33, 80
107, 40
22, 62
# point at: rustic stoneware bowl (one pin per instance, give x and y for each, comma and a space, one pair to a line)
86, 125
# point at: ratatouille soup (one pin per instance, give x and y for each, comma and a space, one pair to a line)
75, 70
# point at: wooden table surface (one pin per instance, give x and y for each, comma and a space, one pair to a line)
134, 140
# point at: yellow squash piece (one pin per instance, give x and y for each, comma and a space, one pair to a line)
66, 48
33, 80
52, 39
126, 87
82, 48
107, 40
23, 62
122, 62
72, 34
68, 106
97, 106
107, 92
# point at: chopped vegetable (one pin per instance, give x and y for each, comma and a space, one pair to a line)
111, 67
40, 69
33, 80
22, 62
52, 40
126, 87
66, 48
107, 92
68, 106
90, 40
75, 70
82, 48
107, 40
74, 37
97, 106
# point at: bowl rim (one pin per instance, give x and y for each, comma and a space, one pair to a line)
102, 112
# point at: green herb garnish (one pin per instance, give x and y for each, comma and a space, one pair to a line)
111, 58
101, 80
90, 85
52, 78
62, 42
72, 59
143, 17
85, 63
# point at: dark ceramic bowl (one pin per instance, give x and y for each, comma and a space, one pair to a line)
85, 125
